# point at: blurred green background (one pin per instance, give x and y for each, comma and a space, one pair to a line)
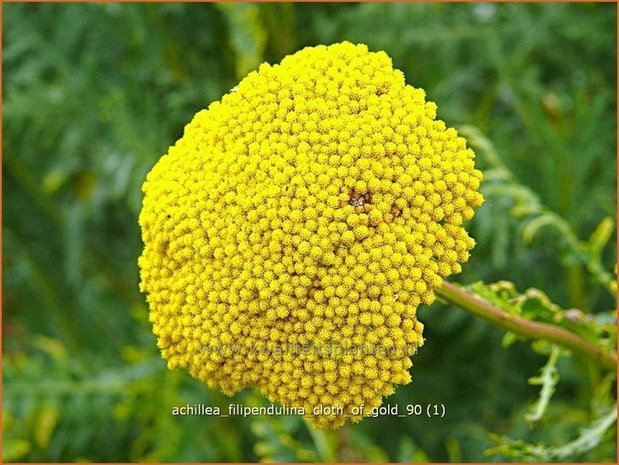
93, 94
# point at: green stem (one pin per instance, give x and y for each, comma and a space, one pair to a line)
321, 441
529, 329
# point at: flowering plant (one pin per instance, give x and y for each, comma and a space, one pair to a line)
318, 204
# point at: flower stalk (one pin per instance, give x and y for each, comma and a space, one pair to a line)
530, 329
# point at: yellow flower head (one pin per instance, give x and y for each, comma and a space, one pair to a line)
293, 230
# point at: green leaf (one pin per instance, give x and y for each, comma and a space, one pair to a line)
247, 35
535, 305
14, 449
45, 425
548, 379
587, 440
547, 219
601, 236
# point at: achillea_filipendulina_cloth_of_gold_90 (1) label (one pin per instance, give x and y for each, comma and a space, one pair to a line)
293, 230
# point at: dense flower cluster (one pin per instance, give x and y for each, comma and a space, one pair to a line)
294, 229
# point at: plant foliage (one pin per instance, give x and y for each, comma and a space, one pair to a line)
95, 93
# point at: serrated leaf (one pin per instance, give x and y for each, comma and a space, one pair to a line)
548, 379
586, 441
535, 305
